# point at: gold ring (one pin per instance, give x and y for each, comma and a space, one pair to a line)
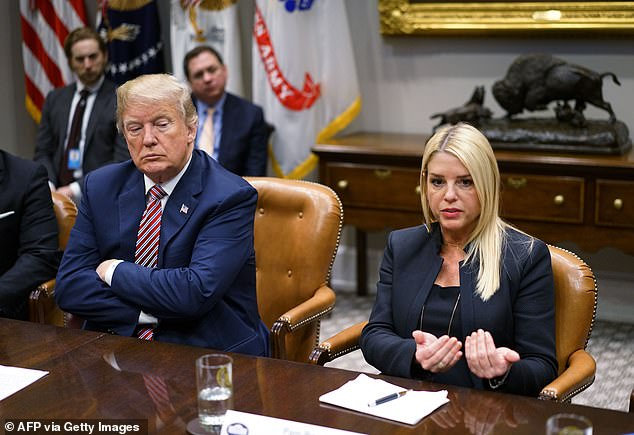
441, 365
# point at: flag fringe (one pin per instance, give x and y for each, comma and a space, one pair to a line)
32, 108
337, 124
341, 121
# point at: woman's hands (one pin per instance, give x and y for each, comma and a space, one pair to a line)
436, 355
484, 359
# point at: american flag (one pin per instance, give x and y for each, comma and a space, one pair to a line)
45, 25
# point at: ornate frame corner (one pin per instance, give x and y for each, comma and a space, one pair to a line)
405, 17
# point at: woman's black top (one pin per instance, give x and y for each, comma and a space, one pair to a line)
440, 316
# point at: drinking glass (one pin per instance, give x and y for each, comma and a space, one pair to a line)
215, 389
568, 424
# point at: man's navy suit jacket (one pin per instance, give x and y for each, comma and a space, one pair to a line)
243, 147
103, 144
203, 290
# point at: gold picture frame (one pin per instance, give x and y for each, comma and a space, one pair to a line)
405, 17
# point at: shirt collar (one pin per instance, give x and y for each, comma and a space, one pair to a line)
202, 107
92, 89
168, 186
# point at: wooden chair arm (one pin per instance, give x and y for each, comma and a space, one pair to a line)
47, 288
42, 306
578, 376
305, 315
340, 344
308, 311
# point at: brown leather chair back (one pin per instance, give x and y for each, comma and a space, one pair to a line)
297, 231
42, 307
575, 303
66, 213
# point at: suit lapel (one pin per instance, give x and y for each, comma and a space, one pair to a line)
468, 301
65, 101
101, 101
181, 204
429, 262
131, 207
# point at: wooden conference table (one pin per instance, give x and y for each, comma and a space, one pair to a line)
100, 376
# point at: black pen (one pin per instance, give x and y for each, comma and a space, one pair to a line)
388, 398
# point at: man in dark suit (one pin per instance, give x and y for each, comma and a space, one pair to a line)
239, 133
70, 153
28, 229
198, 287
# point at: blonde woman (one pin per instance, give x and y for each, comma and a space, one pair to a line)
464, 299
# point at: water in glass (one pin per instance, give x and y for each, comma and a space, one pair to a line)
213, 404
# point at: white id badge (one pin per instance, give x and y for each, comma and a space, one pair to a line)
74, 159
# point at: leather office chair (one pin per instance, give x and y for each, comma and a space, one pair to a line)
575, 309
297, 232
42, 307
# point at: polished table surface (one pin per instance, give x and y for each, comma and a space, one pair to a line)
100, 376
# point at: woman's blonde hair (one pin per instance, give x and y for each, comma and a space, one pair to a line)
153, 89
473, 150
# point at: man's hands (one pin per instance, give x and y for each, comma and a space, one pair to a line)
438, 355
66, 191
103, 268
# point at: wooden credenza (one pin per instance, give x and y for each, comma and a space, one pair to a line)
585, 199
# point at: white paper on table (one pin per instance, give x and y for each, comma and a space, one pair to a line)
13, 379
409, 409
238, 423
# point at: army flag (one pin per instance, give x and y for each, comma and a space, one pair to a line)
304, 77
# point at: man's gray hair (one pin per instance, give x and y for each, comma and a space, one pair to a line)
153, 89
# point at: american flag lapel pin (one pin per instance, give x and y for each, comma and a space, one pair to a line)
184, 209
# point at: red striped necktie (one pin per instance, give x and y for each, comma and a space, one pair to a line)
158, 392
147, 242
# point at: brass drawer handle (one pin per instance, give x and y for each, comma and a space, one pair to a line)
417, 190
618, 203
382, 174
559, 199
342, 184
517, 183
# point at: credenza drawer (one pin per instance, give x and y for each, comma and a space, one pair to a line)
542, 198
380, 187
614, 203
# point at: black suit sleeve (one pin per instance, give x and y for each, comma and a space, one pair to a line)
37, 251
381, 344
